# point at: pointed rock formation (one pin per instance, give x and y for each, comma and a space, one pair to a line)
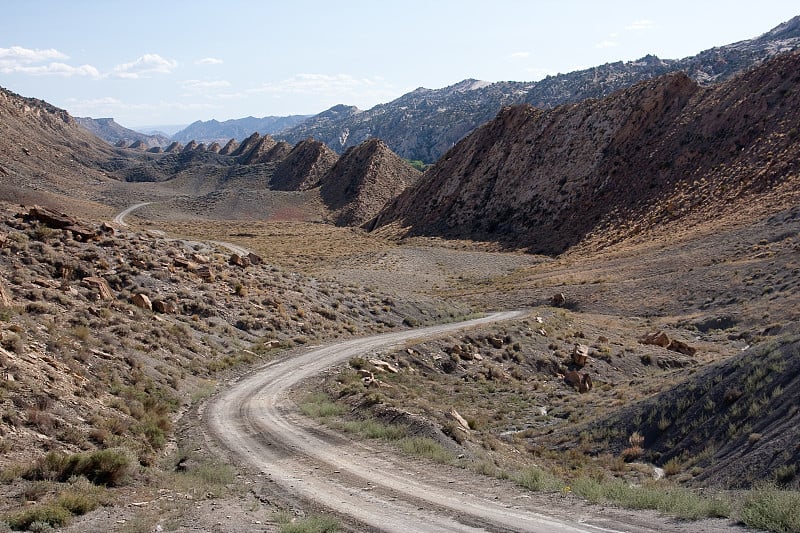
259, 151
304, 167
191, 147
138, 145
247, 145
230, 147
364, 180
214, 148
174, 148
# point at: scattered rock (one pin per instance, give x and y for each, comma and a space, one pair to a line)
384, 366
661, 339
580, 354
238, 260
142, 301
167, 308
453, 415
206, 273
581, 382
5, 299
54, 219
99, 284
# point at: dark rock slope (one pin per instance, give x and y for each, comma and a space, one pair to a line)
653, 153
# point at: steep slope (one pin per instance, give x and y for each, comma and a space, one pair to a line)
732, 424
363, 180
111, 132
303, 167
424, 124
657, 152
212, 130
42, 148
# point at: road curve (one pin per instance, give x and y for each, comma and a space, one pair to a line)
261, 427
120, 218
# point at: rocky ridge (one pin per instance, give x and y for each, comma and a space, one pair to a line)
646, 156
364, 179
425, 123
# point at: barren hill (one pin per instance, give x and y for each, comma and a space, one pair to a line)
113, 133
645, 156
303, 167
363, 180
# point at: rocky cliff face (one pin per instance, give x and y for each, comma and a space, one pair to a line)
43, 148
424, 124
304, 167
656, 152
363, 180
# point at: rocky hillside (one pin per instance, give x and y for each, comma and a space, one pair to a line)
424, 124
648, 155
43, 149
212, 130
111, 132
303, 167
105, 335
363, 181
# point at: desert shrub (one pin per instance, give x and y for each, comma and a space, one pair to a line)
109, 467
784, 474
771, 509
311, 524
319, 406
38, 517
672, 467
536, 479
427, 448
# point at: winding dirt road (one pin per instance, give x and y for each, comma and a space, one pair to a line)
261, 427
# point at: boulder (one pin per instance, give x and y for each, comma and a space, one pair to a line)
580, 354
205, 272
453, 415
99, 284
682, 347
384, 366
558, 299
255, 259
168, 308
142, 301
658, 338
54, 219
238, 260
581, 382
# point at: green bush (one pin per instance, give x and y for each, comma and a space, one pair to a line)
109, 467
772, 509
427, 448
51, 514
536, 479
312, 524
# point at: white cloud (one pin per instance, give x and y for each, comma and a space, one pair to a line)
204, 85
123, 112
606, 44
520, 55
19, 55
28, 61
145, 65
643, 24
209, 61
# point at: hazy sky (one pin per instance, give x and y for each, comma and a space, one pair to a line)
173, 62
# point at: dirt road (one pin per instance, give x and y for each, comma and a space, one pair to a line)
120, 218
261, 427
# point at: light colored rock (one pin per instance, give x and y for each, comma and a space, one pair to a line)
580, 354
99, 284
168, 308
142, 301
458, 419
384, 366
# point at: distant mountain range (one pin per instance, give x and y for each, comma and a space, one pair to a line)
212, 130
425, 123
113, 133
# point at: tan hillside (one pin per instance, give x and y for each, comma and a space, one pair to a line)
303, 167
363, 180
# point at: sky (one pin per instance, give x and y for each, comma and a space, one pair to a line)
148, 63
